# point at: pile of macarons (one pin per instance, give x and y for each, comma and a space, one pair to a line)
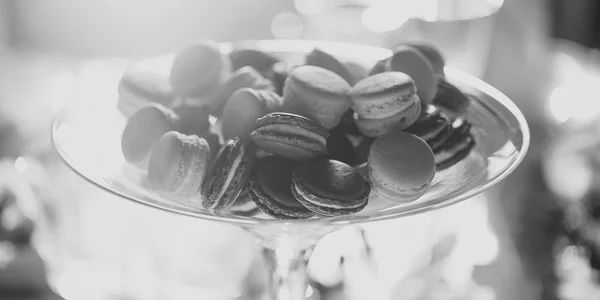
245, 133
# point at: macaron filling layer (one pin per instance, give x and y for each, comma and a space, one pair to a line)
324, 210
293, 130
385, 106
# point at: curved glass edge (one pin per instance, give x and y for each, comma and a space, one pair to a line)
375, 53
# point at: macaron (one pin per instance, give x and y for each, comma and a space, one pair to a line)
199, 69
291, 136
399, 121
245, 77
401, 167
244, 107
433, 55
433, 126
143, 131
329, 187
193, 119
381, 66
243, 205
409, 60
228, 174
178, 164
458, 145
139, 87
384, 102
357, 71
259, 60
322, 59
451, 98
316, 93
270, 189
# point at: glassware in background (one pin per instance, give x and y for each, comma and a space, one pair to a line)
462, 29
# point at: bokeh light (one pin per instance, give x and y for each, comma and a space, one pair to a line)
287, 25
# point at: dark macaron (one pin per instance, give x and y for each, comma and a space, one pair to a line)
433, 54
243, 205
143, 131
433, 126
290, 135
451, 98
327, 61
278, 73
228, 175
329, 187
363, 148
456, 147
270, 189
193, 119
261, 61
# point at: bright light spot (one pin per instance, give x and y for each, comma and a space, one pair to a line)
63, 89
385, 17
566, 68
561, 104
21, 164
7, 254
309, 292
287, 25
310, 7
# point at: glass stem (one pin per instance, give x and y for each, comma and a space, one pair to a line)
286, 265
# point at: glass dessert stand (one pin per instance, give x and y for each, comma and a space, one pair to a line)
87, 136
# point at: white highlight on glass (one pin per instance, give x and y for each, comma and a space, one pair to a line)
287, 25
21, 164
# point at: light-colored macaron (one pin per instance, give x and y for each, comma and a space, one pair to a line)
143, 131
245, 77
199, 69
399, 121
244, 107
178, 165
139, 87
383, 102
401, 167
316, 93
409, 60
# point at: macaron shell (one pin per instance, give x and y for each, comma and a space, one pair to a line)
240, 113
289, 146
326, 211
380, 67
379, 127
327, 61
143, 131
316, 93
229, 174
408, 60
198, 68
401, 162
451, 98
433, 55
330, 183
397, 197
246, 77
382, 95
193, 119
178, 164
257, 59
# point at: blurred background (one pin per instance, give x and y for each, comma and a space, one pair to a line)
534, 236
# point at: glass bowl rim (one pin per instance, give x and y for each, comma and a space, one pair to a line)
375, 52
